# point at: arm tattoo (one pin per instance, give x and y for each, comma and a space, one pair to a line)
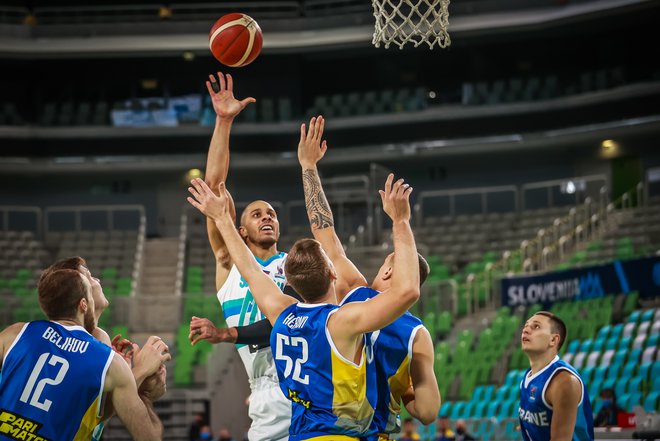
318, 209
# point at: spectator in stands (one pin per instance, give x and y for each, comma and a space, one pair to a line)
223, 435
443, 432
462, 433
607, 416
205, 433
409, 431
195, 426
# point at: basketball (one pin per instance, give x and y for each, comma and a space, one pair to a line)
235, 40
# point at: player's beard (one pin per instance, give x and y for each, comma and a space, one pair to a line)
89, 321
266, 242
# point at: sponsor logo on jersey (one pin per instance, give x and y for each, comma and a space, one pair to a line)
294, 396
17, 427
532, 394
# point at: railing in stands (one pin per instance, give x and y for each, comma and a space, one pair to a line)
482, 192
581, 187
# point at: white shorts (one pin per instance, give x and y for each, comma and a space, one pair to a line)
269, 410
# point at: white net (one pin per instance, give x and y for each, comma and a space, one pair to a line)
411, 21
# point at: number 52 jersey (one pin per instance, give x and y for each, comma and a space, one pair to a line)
331, 396
52, 383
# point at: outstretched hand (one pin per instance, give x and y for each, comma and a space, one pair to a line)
212, 205
396, 199
310, 148
204, 329
224, 103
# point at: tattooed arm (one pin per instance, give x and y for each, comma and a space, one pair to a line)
310, 151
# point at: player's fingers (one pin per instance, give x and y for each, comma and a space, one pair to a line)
230, 83
194, 203
318, 128
210, 88
194, 192
407, 193
196, 340
302, 132
402, 188
312, 127
165, 357
388, 183
221, 77
382, 195
396, 186
324, 147
247, 101
115, 340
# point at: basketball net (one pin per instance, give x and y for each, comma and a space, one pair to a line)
411, 21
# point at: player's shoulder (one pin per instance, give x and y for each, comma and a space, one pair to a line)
359, 294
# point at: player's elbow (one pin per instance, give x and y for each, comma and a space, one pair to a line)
411, 294
426, 417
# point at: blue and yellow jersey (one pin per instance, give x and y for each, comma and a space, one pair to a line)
332, 397
52, 385
392, 348
535, 412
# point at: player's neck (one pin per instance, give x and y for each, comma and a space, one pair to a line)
68, 322
263, 253
538, 361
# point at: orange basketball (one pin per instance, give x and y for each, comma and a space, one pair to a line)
235, 40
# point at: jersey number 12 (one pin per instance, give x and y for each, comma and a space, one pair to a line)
30, 386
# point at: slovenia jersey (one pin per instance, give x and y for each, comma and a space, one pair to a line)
392, 348
52, 385
535, 412
240, 309
332, 397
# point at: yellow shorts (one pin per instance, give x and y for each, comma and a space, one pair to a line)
383, 437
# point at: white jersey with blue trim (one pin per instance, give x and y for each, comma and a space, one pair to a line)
240, 309
536, 413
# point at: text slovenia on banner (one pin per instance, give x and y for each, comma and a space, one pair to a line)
641, 275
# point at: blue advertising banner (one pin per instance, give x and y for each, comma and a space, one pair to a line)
641, 275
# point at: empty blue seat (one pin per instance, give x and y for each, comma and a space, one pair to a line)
468, 409
599, 373
598, 345
586, 345
594, 389
491, 409
620, 356
604, 332
624, 342
647, 315
586, 373
612, 343
614, 370
479, 409
652, 341
634, 316
457, 410
651, 402
629, 368
488, 392
635, 384
616, 330
635, 355
445, 408
621, 386
573, 346
478, 393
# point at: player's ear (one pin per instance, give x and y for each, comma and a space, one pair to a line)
242, 231
387, 274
